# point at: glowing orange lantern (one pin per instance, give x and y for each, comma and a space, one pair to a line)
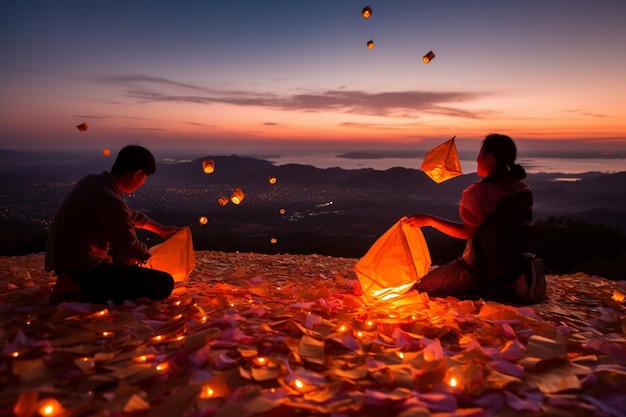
203, 220
282, 211
394, 263
442, 162
366, 12
237, 196
106, 152
272, 180
618, 295
370, 44
273, 240
175, 255
208, 166
82, 127
428, 57
222, 201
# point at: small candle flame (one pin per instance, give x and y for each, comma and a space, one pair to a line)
260, 361
207, 392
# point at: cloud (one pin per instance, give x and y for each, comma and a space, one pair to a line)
585, 113
147, 89
200, 124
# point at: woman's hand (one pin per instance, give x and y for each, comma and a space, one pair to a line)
420, 220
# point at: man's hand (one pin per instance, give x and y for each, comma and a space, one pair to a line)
168, 231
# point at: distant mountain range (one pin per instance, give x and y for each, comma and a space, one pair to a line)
593, 197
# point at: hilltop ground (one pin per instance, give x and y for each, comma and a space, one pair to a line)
286, 335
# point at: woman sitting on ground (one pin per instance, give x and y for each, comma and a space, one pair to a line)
497, 224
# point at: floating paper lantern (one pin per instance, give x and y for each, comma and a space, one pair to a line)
237, 196
282, 211
366, 12
273, 240
428, 57
208, 166
223, 200
203, 220
272, 180
106, 152
442, 162
82, 127
370, 44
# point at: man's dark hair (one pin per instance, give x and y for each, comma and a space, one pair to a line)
132, 158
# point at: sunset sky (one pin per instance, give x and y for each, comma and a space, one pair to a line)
238, 76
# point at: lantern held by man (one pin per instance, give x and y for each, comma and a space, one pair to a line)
394, 263
175, 255
442, 162
208, 166
428, 57
82, 127
366, 12
237, 196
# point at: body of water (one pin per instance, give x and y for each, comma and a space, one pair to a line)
532, 165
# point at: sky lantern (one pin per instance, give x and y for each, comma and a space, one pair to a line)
366, 12
208, 166
282, 211
237, 196
442, 162
82, 127
370, 44
106, 152
272, 180
273, 240
203, 220
428, 57
394, 263
223, 200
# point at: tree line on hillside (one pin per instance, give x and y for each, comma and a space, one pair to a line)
568, 246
